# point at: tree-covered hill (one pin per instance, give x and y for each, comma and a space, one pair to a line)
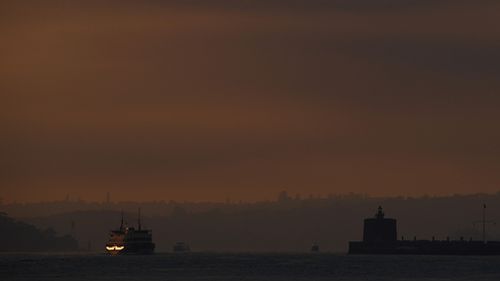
17, 236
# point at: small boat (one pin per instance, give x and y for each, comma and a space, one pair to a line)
315, 247
181, 247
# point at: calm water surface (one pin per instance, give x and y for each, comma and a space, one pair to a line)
216, 266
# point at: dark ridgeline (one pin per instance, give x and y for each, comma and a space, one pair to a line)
380, 237
289, 224
128, 240
16, 236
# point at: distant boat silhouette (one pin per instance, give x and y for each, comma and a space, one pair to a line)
380, 237
315, 247
181, 247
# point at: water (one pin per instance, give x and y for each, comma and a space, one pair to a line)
269, 267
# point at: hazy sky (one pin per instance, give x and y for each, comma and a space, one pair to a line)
208, 100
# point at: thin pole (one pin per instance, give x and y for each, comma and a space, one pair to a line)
139, 219
484, 223
121, 224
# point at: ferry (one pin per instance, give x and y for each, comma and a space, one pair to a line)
128, 240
